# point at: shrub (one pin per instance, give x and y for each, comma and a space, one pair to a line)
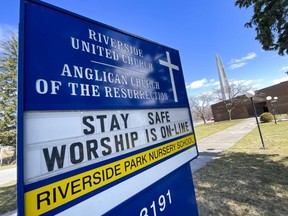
266, 117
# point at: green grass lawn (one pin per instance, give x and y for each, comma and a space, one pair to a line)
247, 180
7, 197
204, 130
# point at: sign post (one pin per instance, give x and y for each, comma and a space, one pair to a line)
104, 120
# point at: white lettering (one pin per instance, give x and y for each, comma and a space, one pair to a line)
41, 86
55, 85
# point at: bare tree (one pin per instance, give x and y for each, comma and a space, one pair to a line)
235, 95
201, 105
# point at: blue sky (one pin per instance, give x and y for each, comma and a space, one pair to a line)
198, 29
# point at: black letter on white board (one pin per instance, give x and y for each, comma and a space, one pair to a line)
55, 156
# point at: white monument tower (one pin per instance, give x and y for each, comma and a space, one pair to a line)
224, 85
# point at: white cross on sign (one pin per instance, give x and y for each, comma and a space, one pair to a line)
171, 67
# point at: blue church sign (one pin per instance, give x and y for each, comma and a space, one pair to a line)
104, 124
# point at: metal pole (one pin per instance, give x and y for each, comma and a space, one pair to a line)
273, 109
278, 108
257, 123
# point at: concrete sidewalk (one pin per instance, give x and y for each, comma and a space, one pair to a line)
8, 175
211, 147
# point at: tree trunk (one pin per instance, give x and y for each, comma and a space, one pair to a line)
203, 118
230, 114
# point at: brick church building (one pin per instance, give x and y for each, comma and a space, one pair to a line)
245, 110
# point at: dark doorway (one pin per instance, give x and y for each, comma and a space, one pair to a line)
261, 107
265, 109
